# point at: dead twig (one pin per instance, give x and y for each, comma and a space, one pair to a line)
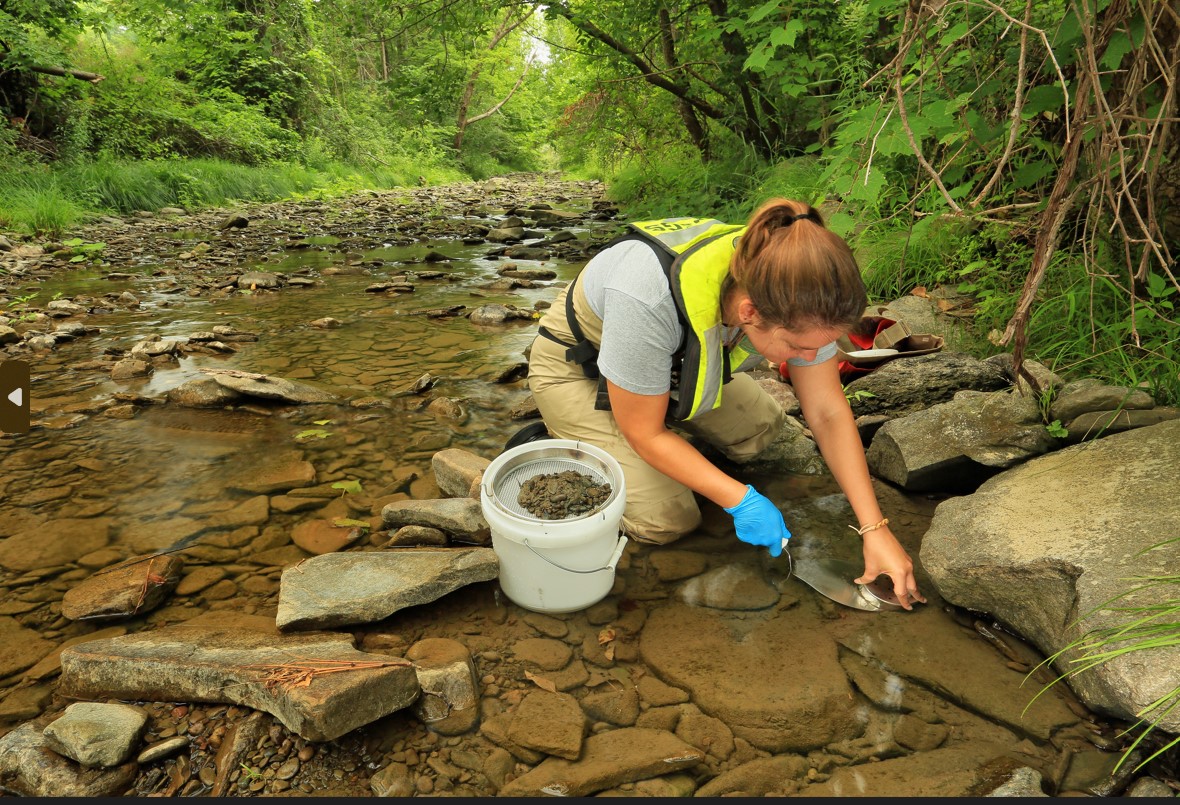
149, 578
300, 673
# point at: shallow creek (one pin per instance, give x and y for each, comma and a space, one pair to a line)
938, 694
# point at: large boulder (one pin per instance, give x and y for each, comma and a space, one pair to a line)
1058, 549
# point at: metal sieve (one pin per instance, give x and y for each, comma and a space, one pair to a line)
540, 458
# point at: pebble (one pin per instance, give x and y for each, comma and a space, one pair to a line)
288, 770
161, 750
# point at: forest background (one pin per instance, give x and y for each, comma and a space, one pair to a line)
1023, 153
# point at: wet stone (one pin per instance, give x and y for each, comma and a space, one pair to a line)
162, 749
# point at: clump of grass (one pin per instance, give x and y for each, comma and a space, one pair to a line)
34, 199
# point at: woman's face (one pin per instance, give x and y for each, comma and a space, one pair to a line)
777, 344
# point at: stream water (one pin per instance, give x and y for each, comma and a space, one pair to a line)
157, 475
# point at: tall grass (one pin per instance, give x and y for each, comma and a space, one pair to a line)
41, 200
677, 182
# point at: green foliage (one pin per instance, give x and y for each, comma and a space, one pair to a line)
30, 29
680, 183
83, 251
18, 307
35, 206
140, 113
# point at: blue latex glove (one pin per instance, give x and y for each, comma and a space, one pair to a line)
759, 522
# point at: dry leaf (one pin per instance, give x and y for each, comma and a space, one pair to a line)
609, 651
541, 682
605, 636
919, 291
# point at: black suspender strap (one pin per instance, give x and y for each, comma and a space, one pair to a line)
581, 352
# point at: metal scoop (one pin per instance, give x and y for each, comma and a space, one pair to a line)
833, 578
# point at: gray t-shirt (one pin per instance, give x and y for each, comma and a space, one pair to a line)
625, 287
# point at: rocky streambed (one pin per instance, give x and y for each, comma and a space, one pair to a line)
245, 527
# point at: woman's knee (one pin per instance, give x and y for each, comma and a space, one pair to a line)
662, 522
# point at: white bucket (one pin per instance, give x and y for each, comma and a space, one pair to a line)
553, 565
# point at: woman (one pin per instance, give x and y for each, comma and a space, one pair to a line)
655, 332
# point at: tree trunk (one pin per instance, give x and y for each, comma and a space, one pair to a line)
696, 131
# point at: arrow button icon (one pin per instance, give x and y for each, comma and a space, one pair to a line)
14, 406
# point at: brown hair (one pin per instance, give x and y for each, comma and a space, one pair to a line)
797, 272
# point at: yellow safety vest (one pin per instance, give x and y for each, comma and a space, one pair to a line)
696, 253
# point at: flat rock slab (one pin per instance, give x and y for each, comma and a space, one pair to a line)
271, 472
777, 684
55, 542
338, 589
552, 723
29, 768
608, 759
245, 660
733, 586
462, 517
23, 647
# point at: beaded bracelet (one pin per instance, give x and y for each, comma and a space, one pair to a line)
864, 529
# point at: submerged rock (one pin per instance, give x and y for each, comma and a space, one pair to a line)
137, 585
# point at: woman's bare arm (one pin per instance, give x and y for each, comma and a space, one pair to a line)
641, 419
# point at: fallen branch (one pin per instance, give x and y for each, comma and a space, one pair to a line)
66, 72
